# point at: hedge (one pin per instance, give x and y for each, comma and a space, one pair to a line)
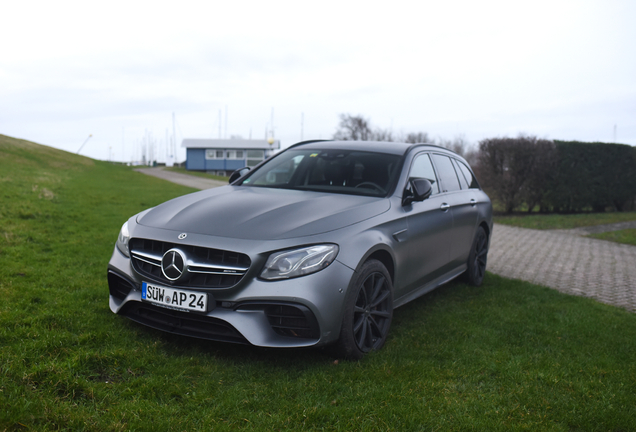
592, 176
559, 176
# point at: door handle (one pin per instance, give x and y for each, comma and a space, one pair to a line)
473, 202
444, 207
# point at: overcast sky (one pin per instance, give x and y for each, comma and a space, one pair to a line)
119, 69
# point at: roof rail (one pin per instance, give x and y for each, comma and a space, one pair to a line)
308, 142
411, 144
438, 146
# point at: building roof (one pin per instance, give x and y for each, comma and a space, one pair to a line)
229, 144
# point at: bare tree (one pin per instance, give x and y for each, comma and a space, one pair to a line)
383, 135
516, 170
358, 128
459, 144
462, 147
418, 137
353, 128
544, 163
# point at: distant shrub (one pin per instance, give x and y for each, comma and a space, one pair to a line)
593, 176
517, 170
560, 176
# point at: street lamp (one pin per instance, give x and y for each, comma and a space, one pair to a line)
80, 149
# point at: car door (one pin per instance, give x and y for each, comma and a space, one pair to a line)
429, 225
462, 204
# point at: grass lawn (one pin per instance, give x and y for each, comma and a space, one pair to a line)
564, 221
505, 356
627, 236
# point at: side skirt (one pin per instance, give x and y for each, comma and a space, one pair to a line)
447, 277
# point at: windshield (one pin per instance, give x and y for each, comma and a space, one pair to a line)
337, 171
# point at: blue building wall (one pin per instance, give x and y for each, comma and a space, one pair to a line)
214, 164
195, 160
234, 164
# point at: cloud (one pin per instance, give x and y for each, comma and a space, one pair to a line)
458, 67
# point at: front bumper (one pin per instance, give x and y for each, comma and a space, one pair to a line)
299, 312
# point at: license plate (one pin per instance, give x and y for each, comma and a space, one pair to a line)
174, 298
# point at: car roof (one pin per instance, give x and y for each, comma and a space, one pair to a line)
397, 148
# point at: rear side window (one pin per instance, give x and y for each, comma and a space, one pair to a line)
468, 175
447, 173
423, 168
462, 179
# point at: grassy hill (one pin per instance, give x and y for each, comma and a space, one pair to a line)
505, 356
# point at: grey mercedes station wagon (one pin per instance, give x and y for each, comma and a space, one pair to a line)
316, 245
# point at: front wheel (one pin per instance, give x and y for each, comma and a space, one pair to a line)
368, 312
477, 258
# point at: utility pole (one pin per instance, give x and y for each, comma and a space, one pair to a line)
174, 139
168, 148
80, 149
272, 123
615, 134
123, 144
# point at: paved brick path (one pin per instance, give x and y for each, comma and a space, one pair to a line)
596, 229
565, 261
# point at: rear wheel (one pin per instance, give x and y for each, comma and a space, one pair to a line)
477, 258
368, 312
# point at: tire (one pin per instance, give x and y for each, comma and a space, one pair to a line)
477, 259
368, 312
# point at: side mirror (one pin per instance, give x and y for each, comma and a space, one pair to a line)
238, 174
420, 189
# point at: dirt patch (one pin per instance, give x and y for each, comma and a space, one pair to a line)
44, 193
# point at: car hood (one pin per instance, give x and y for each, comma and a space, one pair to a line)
262, 213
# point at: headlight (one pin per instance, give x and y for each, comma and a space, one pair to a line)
299, 262
122, 240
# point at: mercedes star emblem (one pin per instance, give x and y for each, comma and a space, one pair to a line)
173, 264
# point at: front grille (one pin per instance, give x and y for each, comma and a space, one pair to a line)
292, 321
207, 268
182, 323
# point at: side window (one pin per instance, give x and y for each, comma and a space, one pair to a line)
447, 173
472, 182
423, 168
462, 179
